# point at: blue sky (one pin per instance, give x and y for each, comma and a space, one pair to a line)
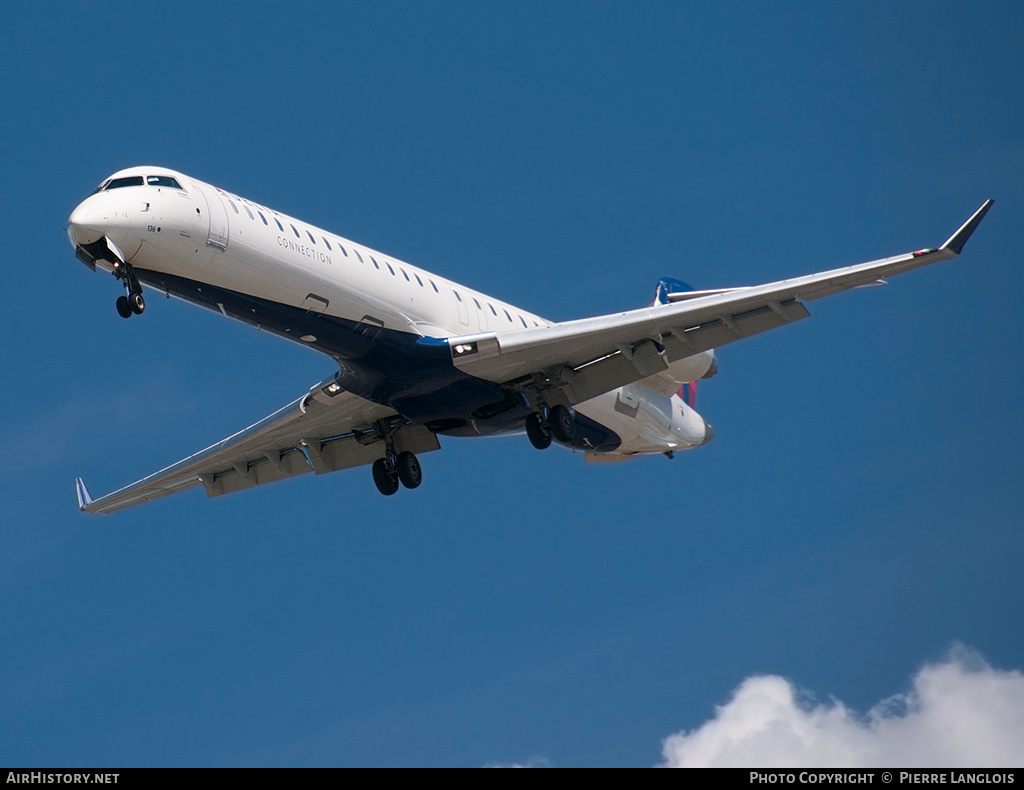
856, 516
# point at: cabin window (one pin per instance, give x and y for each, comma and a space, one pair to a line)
457, 295
311, 237
262, 217
162, 181
522, 321
249, 212
127, 181
233, 206
343, 250
418, 279
375, 264
295, 231
360, 257
390, 269
507, 315
327, 243
280, 227
478, 307
492, 310
406, 276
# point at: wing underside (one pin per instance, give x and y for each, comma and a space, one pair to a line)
326, 430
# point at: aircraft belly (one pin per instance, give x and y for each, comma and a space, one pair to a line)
412, 374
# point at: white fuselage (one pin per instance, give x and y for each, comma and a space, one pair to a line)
354, 303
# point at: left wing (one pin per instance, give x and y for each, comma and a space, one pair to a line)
582, 359
325, 430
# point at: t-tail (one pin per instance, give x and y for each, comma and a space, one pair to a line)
669, 285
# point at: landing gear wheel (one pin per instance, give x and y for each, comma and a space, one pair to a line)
137, 303
537, 431
123, 308
409, 471
384, 477
563, 424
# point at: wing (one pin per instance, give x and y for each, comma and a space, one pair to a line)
582, 359
325, 430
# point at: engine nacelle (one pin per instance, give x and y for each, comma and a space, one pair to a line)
648, 422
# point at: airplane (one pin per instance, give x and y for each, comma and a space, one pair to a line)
419, 356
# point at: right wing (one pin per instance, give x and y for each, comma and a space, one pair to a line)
325, 430
582, 359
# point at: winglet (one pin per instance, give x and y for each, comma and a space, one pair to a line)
957, 241
84, 500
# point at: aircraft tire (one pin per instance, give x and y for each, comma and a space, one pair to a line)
537, 432
409, 471
563, 424
123, 308
137, 303
384, 477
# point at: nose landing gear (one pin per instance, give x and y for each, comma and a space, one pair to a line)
132, 303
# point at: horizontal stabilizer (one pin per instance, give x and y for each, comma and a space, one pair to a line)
682, 296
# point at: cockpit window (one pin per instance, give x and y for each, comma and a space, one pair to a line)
128, 181
162, 181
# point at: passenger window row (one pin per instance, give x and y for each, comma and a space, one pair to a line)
376, 265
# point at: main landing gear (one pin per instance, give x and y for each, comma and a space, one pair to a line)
132, 302
395, 468
404, 469
559, 425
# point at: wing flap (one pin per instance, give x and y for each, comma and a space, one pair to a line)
621, 368
269, 467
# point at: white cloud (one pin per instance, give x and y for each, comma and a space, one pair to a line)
533, 762
959, 712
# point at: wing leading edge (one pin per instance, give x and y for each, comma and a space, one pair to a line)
583, 358
325, 430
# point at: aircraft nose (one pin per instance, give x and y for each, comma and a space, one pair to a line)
708, 434
89, 221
